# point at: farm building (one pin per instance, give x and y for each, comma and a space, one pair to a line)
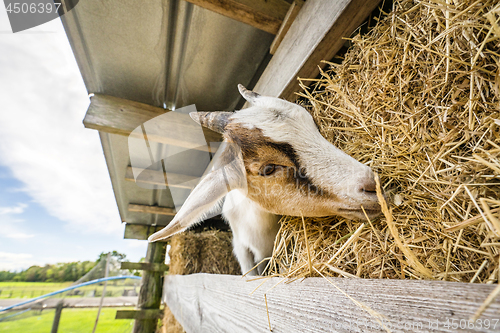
410, 88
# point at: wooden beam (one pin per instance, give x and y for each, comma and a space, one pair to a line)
265, 15
225, 303
120, 116
138, 314
144, 266
158, 178
315, 34
151, 209
292, 13
140, 231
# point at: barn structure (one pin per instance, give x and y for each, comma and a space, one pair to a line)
142, 59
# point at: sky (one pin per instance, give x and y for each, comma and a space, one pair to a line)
56, 199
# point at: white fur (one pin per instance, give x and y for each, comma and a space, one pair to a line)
254, 230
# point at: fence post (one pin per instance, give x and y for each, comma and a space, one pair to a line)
151, 288
57, 316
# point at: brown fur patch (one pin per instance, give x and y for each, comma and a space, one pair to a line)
289, 179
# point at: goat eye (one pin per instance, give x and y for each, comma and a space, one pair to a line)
268, 170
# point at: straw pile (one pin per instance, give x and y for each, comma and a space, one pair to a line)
169, 324
417, 99
203, 252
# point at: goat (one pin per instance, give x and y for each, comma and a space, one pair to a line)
273, 162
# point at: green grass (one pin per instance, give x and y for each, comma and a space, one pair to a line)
35, 289
72, 321
29, 289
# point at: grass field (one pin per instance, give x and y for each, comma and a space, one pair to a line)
72, 321
34, 289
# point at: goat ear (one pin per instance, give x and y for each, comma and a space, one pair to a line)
249, 95
216, 121
227, 173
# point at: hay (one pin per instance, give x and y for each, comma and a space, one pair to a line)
417, 99
191, 252
169, 323
203, 252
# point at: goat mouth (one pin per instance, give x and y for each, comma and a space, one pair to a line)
370, 212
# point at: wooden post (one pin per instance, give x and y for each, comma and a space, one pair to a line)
151, 289
57, 317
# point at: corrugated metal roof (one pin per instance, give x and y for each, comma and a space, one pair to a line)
164, 53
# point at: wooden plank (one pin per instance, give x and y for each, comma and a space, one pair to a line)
225, 303
158, 178
316, 34
265, 15
144, 266
292, 13
120, 116
138, 314
151, 209
140, 231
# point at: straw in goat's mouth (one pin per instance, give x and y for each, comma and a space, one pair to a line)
370, 212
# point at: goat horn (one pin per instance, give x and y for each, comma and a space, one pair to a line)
249, 95
216, 121
170, 230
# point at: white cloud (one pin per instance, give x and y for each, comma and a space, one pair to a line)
19, 235
15, 261
12, 227
42, 139
19, 209
15, 256
19, 261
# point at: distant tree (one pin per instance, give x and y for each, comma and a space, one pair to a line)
6, 276
120, 257
60, 272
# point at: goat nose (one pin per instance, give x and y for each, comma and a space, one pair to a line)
368, 185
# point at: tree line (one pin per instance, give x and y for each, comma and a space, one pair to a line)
61, 272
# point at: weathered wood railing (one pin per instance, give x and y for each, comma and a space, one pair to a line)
225, 303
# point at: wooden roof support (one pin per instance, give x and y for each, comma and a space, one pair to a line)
158, 178
140, 231
151, 209
120, 116
265, 15
316, 34
225, 303
292, 13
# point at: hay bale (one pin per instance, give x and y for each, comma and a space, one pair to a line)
199, 252
416, 98
203, 252
184, 254
169, 323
